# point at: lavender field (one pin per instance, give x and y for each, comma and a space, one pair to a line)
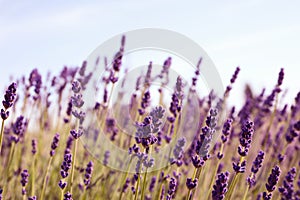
57, 144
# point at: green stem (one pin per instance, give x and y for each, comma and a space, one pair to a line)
1, 134
212, 180
193, 178
73, 166
124, 179
144, 185
137, 187
45, 178
62, 195
33, 175
245, 194
232, 187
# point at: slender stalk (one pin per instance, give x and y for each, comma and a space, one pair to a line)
1, 134
246, 192
144, 185
33, 175
73, 166
45, 178
193, 178
124, 179
137, 187
62, 195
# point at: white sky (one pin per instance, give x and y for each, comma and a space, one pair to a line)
260, 36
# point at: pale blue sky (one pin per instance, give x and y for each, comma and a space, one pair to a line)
260, 36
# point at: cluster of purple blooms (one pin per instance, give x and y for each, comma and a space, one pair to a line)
220, 188
9, 98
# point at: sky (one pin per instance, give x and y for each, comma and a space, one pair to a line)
260, 36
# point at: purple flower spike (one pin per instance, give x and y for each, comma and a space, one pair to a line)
9, 96
257, 163
234, 76
191, 184
226, 130
54, 144
24, 180
62, 184
273, 179
68, 196
88, 173
32, 198
287, 190
172, 188
33, 144
220, 187
76, 134
239, 167
280, 77
246, 138
66, 165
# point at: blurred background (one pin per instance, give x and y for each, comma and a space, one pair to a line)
260, 36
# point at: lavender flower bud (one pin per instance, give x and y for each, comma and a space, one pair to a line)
66, 165
62, 184
245, 138
76, 134
9, 96
68, 196
32, 198
54, 144
88, 173
33, 144
257, 163
191, 184
220, 187
24, 180
273, 179
172, 188
287, 190
280, 77
152, 184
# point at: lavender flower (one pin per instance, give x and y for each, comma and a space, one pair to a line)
1, 191
33, 144
125, 186
257, 163
66, 165
245, 138
35, 80
226, 130
280, 77
272, 181
88, 173
62, 184
172, 188
239, 167
9, 99
203, 145
76, 134
54, 144
145, 102
191, 184
152, 184
178, 152
32, 198
24, 180
220, 187
68, 196
20, 126
287, 190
